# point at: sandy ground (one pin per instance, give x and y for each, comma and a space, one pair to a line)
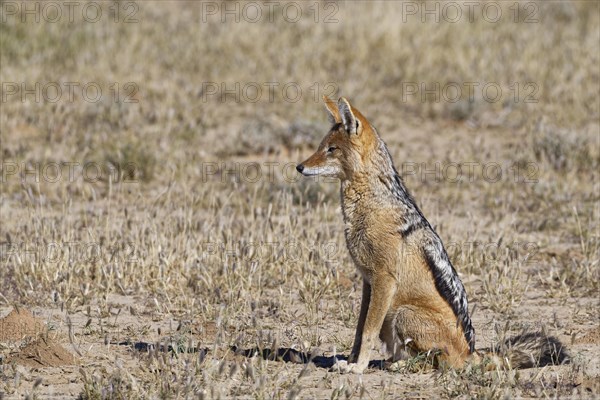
123, 340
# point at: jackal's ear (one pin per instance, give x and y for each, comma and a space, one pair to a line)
332, 110
351, 122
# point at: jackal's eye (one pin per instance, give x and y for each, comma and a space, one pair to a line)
331, 149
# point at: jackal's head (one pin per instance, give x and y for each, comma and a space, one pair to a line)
346, 148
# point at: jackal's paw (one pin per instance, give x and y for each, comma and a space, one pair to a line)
344, 367
396, 366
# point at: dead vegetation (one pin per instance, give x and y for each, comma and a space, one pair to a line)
173, 251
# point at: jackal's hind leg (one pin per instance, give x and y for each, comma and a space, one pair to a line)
420, 331
395, 345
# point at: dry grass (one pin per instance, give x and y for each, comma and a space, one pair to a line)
196, 263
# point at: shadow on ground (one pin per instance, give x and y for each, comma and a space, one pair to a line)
287, 354
284, 354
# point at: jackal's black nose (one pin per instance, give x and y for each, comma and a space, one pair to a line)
300, 168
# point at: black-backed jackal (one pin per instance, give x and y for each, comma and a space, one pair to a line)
412, 297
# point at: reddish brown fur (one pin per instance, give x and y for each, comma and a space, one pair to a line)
400, 300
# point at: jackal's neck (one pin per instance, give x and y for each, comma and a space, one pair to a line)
376, 184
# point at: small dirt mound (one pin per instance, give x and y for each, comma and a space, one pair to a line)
19, 324
43, 352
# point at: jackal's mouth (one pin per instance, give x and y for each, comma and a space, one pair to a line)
314, 171
309, 172
306, 171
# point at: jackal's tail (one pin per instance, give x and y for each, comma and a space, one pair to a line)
528, 350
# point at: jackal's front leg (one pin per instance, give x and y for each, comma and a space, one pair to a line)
362, 316
382, 292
